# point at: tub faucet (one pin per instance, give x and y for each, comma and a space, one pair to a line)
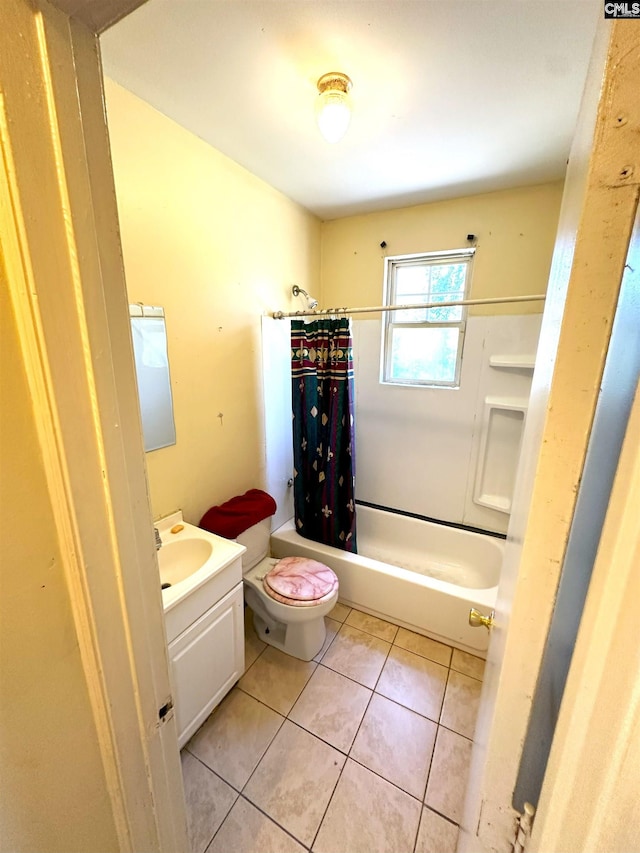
158, 539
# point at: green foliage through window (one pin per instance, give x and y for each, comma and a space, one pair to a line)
423, 346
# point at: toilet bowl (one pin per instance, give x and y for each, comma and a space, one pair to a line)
289, 597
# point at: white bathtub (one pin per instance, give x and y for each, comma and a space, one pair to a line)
418, 574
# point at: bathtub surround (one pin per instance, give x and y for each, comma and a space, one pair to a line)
449, 454
323, 431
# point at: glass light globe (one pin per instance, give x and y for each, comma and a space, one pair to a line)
334, 114
333, 105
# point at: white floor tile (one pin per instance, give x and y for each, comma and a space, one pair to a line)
277, 679
235, 737
295, 780
207, 801
461, 702
436, 835
331, 707
247, 830
413, 681
357, 655
396, 743
449, 773
368, 815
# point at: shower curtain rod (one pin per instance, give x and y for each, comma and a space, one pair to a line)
495, 300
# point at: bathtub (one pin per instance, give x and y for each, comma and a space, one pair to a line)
418, 574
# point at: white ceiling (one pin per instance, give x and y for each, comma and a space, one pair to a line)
451, 97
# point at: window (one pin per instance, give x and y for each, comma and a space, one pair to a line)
423, 346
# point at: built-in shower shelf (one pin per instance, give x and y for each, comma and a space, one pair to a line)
513, 362
502, 425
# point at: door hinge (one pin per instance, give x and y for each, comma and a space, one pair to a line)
523, 830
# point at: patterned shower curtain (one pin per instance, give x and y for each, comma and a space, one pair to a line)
323, 431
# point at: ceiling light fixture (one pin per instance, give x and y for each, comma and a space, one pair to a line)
333, 112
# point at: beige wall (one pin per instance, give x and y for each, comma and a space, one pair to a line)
217, 248
515, 232
54, 794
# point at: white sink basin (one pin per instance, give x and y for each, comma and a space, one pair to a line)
194, 564
180, 559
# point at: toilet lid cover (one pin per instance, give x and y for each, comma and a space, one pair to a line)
301, 579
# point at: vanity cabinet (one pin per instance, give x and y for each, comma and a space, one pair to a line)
206, 660
201, 576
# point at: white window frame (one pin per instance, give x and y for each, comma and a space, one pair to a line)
392, 264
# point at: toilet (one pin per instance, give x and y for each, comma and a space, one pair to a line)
289, 597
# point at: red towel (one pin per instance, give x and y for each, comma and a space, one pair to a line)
233, 517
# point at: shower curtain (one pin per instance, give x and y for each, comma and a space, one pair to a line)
323, 431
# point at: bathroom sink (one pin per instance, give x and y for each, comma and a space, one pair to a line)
180, 559
194, 565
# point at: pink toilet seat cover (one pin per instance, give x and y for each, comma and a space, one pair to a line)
300, 582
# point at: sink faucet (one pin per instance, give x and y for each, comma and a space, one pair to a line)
158, 539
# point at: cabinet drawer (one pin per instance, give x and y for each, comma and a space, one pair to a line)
206, 660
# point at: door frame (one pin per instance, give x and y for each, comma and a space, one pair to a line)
598, 210
62, 255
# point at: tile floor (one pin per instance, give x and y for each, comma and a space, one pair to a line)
363, 750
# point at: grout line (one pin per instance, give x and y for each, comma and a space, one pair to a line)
454, 732
259, 761
444, 816
238, 791
273, 820
370, 633
262, 702
329, 801
384, 779
264, 814
444, 696
466, 675
330, 644
347, 755
317, 737
326, 743
235, 800
407, 708
415, 840
348, 677
433, 752
257, 658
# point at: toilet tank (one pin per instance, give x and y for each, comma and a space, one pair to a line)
256, 540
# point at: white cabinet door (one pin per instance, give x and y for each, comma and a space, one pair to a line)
206, 661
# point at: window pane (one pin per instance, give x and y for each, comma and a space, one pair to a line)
412, 279
424, 355
445, 315
427, 282
447, 278
414, 315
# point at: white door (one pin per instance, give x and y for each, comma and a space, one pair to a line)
589, 800
597, 216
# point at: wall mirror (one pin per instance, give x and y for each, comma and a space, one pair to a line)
151, 354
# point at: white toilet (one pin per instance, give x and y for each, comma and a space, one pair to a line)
289, 597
